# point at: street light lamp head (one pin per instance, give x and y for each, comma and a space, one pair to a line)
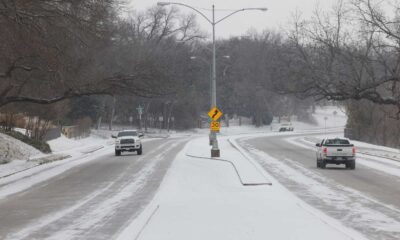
193, 57
163, 4
227, 56
264, 9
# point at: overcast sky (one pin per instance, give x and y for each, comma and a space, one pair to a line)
278, 14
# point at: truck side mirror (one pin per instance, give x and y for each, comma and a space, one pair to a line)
113, 136
318, 145
141, 135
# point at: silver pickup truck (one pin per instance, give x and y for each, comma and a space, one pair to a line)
336, 151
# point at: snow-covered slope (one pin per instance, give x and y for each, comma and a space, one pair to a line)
64, 144
12, 148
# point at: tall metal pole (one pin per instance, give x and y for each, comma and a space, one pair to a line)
214, 150
214, 71
213, 136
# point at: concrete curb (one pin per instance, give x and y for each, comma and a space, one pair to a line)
50, 159
41, 161
379, 156
235, 145
92, 149
147, 222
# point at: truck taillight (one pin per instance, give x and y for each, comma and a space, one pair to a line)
354, 151
325, 151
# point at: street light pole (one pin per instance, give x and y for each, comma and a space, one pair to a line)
215, 152
212, 78
213, 135
214, 61
210, 82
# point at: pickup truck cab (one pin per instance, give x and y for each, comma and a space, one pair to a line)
128, 141
336, 151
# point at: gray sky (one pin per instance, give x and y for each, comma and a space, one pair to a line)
278, 14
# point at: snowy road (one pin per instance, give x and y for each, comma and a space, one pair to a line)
94, 200
367, 199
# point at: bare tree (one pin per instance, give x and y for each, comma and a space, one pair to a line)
349, 53
52, 50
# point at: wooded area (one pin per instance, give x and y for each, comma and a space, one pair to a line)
84, 59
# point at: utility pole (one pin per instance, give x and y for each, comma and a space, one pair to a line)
215, 152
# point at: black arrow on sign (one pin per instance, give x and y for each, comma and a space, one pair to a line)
215, 113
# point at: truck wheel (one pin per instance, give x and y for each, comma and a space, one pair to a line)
323, 164
353, 164
117, 153
139, 152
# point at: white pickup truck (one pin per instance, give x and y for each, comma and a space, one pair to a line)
128, 141
286, 127
336, 151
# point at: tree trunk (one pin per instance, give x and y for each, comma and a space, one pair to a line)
146, 115
169, 116
99, 122
110, 126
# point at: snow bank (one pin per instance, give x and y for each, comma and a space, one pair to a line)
64, 144
26, 157
15, 149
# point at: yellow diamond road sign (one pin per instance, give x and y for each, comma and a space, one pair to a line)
215, 113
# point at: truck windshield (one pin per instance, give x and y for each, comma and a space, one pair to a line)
336, 142
127, 133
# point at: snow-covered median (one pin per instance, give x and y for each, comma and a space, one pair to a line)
203, 199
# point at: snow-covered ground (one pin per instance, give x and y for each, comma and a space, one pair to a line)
67, 153
352, 207
15, 149
20, 175
232, 197
39, 173
204, 199
26, 157
330, 116
17, 154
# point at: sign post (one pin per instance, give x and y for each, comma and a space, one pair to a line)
131, 120
140, 112
334, 118
325, 118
